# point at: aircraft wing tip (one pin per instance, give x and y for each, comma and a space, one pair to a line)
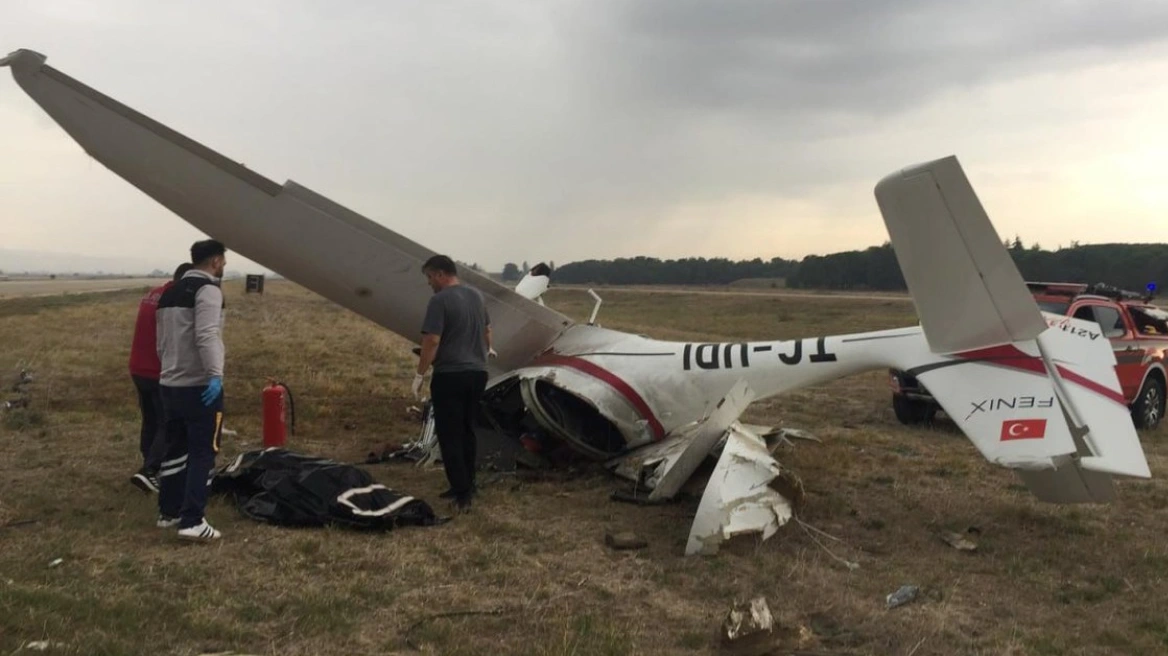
16, 56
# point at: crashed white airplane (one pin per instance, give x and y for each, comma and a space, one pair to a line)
653, 410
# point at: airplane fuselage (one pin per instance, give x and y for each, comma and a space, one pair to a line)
650, 388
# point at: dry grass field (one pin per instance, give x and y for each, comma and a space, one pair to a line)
528, 567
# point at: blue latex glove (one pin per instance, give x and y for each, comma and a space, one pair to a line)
214, 389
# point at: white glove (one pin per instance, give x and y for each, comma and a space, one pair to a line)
492, 354
417, 386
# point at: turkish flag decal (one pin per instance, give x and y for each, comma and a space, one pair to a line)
1023, 429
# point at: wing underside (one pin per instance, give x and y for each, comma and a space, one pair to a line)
307, 238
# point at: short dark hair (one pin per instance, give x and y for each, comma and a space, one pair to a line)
182, 269
201, 251
440, 263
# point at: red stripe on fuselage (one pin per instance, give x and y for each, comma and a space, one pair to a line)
610, 379
1011, 356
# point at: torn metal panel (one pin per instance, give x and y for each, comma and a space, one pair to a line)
664, 467
676, 473
737, 498
749, 627
646, 465
760, 430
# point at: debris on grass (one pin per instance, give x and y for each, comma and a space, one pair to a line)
624, 540
43, 645
958, 541
23, 379
454, 613
19, 389
18, 413
798, 434
906, 594
749, 628
807, 528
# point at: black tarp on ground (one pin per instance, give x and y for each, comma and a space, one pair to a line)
284, 488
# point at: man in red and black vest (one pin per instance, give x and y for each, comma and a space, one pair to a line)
144, 371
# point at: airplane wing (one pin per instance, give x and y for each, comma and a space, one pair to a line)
303, 236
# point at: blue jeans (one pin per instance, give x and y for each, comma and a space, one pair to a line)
192, 442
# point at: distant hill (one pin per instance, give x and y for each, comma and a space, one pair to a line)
35, 262
1131, 266
688, 271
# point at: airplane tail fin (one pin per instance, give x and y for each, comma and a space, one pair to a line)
1035, 393
966, 288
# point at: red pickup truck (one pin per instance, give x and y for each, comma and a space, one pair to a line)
1139, 336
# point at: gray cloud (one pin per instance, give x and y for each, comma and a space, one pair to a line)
505, 129
774, 78
857, 56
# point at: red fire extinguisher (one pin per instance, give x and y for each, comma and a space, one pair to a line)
274, 423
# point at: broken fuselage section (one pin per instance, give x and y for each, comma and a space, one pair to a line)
652, 411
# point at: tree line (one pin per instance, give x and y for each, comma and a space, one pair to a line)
1130, 266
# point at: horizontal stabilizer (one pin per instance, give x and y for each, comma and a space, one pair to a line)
1071, 484
1003, 401
967, 290
1084, 362
1051, 408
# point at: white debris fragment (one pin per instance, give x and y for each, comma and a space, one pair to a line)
958, 541
749, 627
904, 595
798, 434
749, 618
56, 563
737, 498
43, 645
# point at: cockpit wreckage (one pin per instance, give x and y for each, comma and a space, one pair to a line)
653, 410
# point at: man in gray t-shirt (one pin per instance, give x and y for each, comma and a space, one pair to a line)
456, 340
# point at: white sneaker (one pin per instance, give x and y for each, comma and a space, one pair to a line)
200, 533
167, 522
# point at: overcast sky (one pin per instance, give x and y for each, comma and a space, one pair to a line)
510, 130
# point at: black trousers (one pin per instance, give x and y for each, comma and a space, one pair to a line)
455, 397
152, 440
192, 436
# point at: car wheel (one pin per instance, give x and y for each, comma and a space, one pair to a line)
1148, 409
912, 411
